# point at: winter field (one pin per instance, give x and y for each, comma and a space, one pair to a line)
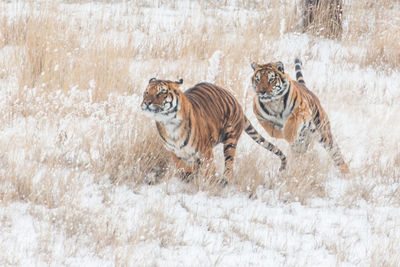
77, 154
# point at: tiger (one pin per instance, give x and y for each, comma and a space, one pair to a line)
191, 123
287, 109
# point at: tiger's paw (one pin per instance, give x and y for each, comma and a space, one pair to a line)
344, 169
186, 177
223, 182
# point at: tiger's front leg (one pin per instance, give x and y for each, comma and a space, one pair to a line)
294, 124
184, 170
271, 129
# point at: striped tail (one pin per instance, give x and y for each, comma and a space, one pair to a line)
297, 68
267, 145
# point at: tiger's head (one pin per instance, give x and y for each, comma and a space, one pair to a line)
269, 81
161, 98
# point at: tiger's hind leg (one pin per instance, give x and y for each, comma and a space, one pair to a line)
305, 139
230, 144
206, 164
333, 149
303, 157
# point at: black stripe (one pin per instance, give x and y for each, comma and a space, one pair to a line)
202, 99
229, 146
264, 108
202, 95
227, 136
189, 132
317, 119
271, 147
285, 98
323, 140
261, 140
299, 76
228, 158
228, 110
249, 128
230, 99
293, 103
251, 132
281, 91
210, 88
162, 137
171, 111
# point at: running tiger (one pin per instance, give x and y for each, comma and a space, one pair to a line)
191, 123
287, 109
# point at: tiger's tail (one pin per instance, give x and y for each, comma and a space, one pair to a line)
297, 68
249, 129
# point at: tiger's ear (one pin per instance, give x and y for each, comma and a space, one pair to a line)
152, 80
254, 65
176, 84
280, 67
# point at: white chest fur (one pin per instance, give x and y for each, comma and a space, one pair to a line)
176, 141
188, 154
273, 112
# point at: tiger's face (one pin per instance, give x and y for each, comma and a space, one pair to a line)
269, 81
160, 97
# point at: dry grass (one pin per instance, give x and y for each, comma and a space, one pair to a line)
323, 18
383, 46
365, 23
57, 55
70, 119
60, 54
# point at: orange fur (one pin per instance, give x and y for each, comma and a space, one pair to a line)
193, 122
288, 110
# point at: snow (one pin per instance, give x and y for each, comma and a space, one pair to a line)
55, 145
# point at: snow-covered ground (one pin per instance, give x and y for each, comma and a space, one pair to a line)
76, 151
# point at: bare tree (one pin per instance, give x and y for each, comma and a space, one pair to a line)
323, 17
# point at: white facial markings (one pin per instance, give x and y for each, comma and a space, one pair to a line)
148, 113
161, 89
258, 77
271, 77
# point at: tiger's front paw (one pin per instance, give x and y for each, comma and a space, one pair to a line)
344, 169
186, 176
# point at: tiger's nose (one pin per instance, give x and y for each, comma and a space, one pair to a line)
147, 102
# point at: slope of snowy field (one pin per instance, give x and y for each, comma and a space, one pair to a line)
77, 153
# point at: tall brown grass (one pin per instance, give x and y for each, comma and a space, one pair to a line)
60, 54
68, 117
323, 18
